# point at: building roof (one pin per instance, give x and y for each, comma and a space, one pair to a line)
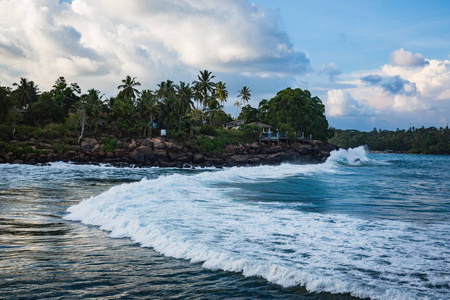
260, 125
241, 121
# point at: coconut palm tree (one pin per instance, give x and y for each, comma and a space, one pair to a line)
128, 87
244, 94
237, 104
197, 92
26, 91
221, 92
183, 101
206, 86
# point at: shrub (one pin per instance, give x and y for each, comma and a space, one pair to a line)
109, 144
53, 130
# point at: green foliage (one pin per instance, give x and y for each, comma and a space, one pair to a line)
109, 144
301, 111
249, 114
44, 111
414, 140
17, 151
54, 131
207, 130
60, 148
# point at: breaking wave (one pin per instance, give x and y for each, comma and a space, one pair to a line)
200, 217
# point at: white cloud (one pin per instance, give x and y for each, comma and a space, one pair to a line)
340, 103
411, 88
97, 43
407, 59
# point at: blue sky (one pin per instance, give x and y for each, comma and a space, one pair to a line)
383, 64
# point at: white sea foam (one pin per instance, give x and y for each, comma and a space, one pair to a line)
198, 218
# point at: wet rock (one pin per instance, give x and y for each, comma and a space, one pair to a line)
141, 154
198, 158
160, 155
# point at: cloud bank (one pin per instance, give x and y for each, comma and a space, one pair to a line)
97, 43
409, 91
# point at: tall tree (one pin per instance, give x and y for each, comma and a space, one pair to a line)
244, 94
237, 104
64, 94
183, 101
25, 93
128, 87
296, 109
221, 92
206, 86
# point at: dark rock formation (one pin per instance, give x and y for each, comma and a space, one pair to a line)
164, 153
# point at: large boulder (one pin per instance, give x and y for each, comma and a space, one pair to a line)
88, 143
160, 155
141, 154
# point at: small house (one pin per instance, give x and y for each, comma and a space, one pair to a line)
233, 124
266, 128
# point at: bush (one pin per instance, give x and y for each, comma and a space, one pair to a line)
109, 144
60, 148
53, 131
207, 130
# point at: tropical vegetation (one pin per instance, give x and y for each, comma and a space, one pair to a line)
185, 110
430, 140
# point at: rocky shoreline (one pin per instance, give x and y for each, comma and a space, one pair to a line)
161, 152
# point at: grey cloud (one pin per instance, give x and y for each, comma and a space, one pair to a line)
397, 85
373, 79
330, 70
11, 49
394, 85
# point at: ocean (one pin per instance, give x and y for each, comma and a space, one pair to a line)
359, 225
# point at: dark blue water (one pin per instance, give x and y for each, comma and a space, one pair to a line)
359, 225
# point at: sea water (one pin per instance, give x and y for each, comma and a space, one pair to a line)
359, 225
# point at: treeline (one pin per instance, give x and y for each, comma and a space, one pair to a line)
133, 112
430, 140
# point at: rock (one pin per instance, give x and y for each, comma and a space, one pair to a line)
142, 154
48, 151
148, 143
240, 159
160, 155
88, 143
198, 158
118, 153
158, 144
109, 154
132, 145
233, 149
101, 153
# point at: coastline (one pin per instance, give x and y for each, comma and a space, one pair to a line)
162, 152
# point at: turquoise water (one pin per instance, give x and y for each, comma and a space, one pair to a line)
360, 225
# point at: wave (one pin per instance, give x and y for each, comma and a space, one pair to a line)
200, 217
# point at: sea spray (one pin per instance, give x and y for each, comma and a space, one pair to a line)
198, 217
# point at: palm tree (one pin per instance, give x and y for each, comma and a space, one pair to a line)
148, 108
206, 86
197, 90
128, 87
26, 92
221, 92
244, 94
183, 101
237, 104
214, 113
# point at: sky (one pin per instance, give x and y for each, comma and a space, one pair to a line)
375, 64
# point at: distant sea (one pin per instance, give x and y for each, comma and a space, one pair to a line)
357, 226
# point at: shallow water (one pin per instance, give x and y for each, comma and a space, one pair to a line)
366, 225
